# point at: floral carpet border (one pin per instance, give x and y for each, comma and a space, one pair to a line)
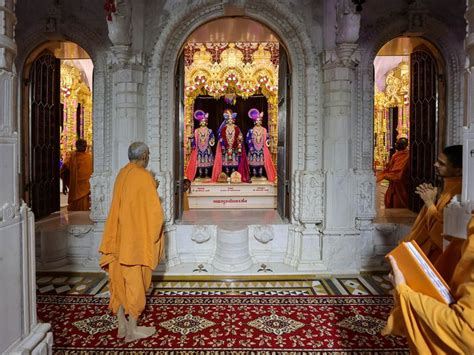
229, 299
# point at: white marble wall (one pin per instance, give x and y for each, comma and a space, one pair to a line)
468, 133
20, 332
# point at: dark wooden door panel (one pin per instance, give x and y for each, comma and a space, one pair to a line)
44, 135
423, 122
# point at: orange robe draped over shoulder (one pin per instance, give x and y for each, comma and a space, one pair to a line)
133, 239
428, 227
432, 327
396, 173
79, 170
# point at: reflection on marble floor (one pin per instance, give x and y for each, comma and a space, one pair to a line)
390, 215
96, 284
63, 218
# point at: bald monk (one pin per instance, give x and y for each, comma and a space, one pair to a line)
76, 173
396, 173
432, 327
428, 227
133, 242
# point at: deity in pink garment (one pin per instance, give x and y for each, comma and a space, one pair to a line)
259, 157
202, 158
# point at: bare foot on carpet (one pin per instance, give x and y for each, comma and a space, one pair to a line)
122, 323
135, 332
140, 333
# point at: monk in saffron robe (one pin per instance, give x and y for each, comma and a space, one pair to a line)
432, 327
76, 173
396, 195
428, 227
133, 242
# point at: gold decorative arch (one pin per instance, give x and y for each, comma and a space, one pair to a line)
396, 94
241, 69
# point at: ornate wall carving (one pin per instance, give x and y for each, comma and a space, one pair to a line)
365, 195
202, 234
101, 194
312, 197
7, 100
262, 233
9, 199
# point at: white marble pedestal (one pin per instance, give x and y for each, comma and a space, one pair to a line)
232, 250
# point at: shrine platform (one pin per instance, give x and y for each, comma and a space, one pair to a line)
259, 194
238, 218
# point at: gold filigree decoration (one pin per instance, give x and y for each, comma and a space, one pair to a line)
73, 92
396, 94
231, 75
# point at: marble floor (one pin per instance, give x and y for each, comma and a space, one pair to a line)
230, 217
390, 215
63, 218
95, 284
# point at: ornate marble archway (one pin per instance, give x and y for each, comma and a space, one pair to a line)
92, 43
438, 34
306, 125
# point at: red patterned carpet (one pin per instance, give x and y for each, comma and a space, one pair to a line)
226, 325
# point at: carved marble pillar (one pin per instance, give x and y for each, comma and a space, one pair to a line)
468, 137
127, 126
304, 243
304, 249
338, 66
458, 213
128, 123
343, 194
20, 332
122, 103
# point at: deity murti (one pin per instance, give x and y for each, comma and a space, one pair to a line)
202, 158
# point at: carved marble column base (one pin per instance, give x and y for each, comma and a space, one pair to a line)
341, 251
92, 260
172, 256
51, 247
39, 342
304, 249
232, 252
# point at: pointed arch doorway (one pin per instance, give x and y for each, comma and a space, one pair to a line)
56, 110
410, 103
253, 42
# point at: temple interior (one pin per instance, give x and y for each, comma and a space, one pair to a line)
287, 147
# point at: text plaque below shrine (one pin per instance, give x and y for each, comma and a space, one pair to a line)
218, 195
